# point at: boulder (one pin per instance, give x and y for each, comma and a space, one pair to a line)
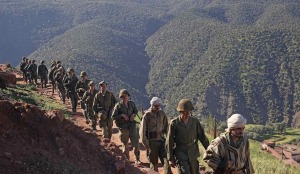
7, 79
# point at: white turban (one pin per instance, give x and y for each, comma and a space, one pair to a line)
155, 101
236, 121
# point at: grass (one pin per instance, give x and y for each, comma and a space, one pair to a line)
28, 94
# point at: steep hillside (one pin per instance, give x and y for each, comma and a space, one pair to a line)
230, 58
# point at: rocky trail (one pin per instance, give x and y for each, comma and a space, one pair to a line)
71, 141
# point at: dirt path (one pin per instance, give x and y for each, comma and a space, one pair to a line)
79, 120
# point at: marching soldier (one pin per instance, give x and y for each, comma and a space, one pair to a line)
154, 127
123, 114
103, 104
81, 87
182, 141
58, 77
43, 73
70, 82
88, 99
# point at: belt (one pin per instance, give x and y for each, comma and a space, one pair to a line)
187, 144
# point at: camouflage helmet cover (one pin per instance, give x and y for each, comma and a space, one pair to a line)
185, 105
123, 92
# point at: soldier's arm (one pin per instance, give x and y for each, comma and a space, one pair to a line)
201, 135
143, 131
115, 114
165, 124
170, 143
84, 97
95, 103
213, 156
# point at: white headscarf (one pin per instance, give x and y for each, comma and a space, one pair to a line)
155, 101
235, 121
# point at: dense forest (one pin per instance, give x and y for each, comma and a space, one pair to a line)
227, 56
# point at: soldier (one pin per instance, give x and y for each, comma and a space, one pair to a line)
81, 87
52, 75
123, 114
27, 71
229, 153
88, 99
154, 127
23, 64
70, 82
104, 102
43, 73
58, 77
32, 69
182, 141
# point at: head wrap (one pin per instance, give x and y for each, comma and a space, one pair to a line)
235, 121
155, 101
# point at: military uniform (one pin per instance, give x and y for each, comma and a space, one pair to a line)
43, 73
59, 76
182, 144
70, 84
102, 106
81, 88
154, 127
52, 75
32, 69
127, 128
88, 99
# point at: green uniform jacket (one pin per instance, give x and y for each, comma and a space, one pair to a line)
120, 109
182, 140
153, 123
81, 84
88, 98
104, 102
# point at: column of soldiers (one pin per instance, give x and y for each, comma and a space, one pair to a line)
174, 143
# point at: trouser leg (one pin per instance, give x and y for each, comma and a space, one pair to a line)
153, 155
109, 127
124, 137
134, 139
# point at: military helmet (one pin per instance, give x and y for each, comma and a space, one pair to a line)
70, 70
102, 82
83, 73
185, 105
42, 61
23, 58
123, 92
58, 62
33, 60
91, 83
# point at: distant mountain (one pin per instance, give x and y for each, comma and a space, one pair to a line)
228, 58
226, 55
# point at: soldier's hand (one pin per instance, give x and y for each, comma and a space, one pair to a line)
229, 165
126, 118
172, 163
132, 117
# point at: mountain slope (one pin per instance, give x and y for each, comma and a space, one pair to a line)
228, 61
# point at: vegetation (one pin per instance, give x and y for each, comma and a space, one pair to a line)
27, 94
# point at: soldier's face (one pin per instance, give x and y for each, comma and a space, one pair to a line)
185, 114
103, 87
155, 108
237, 132
83, 77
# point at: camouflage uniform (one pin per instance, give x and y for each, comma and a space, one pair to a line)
127, 128
70, 84
152, 132
43, 73
102, 106
88, 99
182, 144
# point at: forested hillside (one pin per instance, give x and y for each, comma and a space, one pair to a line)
226, 55
228, 58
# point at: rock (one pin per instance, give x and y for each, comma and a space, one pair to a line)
56, 114
8, 155
61, 151
7, 79
119, 167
